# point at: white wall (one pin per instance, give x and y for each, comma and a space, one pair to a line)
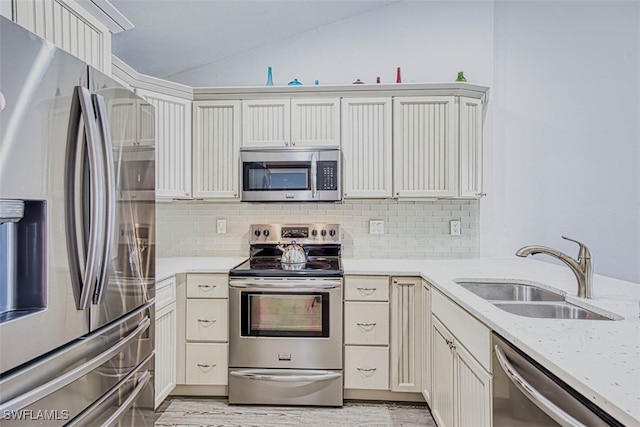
565, 154
429, 40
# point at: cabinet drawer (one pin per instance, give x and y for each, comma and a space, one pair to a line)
206, 364
366, 323
206, 320
207, 286
366, 288
165, 293
366, 367
468, 330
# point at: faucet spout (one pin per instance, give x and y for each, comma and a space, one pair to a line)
581, 267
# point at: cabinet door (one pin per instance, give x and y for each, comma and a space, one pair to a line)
442, 374
473, 391
123, 120
266, 123
70, 27
216, 149
366, 147
426, 342
424, 146
406, 331
315, 122
470, 147
173, 144
165, 370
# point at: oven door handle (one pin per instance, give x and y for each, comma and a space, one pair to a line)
287, 377
547, 406
279, 285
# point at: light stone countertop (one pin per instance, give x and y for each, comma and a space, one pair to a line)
599, 358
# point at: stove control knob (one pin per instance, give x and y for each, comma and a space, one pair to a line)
323, 232
314, 233
332, 232
257, 233
266, 233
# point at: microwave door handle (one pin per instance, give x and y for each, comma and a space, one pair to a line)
314, 176
545, 405
108, 195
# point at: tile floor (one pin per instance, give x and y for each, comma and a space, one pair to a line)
208, 412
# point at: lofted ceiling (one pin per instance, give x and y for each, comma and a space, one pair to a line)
173, 36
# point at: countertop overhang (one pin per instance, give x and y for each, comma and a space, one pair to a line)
599, 358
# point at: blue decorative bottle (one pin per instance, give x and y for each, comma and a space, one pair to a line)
269, 77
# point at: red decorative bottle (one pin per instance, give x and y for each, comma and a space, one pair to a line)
398, 78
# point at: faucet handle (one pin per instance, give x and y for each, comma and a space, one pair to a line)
584, 252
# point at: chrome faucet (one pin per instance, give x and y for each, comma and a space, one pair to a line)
582, 267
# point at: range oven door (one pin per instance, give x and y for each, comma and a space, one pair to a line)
285, 323
290, 174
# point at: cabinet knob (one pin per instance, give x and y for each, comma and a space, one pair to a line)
395, 281
293, 143
286, 143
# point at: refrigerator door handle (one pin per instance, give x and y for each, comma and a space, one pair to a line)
109, 195
56, 384
129, 401
83, 269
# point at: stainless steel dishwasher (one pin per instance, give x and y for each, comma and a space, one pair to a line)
526, 394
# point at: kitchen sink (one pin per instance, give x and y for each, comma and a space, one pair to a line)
510, 291
550, 310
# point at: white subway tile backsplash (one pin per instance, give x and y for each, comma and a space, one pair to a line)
413, 229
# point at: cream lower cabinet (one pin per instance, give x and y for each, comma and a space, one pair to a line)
165, 336
216, 150
406, 334
173, 145
461, 378
366, 332
206, 329
426, 341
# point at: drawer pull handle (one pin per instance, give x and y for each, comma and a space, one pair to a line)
367, 291
207, 322
207, 287
367, 371
366, 326
207, 367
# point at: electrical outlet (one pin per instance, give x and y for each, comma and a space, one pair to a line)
221, 226
376, 226
455, 227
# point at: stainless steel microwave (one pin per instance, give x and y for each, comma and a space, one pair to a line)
290, 174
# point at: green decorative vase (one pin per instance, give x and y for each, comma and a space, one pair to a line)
460, 77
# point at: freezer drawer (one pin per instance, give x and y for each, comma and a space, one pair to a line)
66, 382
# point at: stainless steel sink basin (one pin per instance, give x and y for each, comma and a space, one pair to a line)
550, 310
510, 291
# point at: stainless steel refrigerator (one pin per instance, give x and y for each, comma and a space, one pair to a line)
77, 241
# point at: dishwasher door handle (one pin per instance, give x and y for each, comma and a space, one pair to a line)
545, 405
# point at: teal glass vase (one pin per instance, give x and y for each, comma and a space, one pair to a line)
269, 77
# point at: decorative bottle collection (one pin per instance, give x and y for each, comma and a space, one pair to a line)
296, 82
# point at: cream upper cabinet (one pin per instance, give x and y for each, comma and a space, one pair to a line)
285, 122
366, 147
216, 149
406, 334
471, 116
424, 147
173, 145
69, 26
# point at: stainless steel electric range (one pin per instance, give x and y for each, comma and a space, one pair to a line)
285, 317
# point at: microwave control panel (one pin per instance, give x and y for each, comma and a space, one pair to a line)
327, 175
